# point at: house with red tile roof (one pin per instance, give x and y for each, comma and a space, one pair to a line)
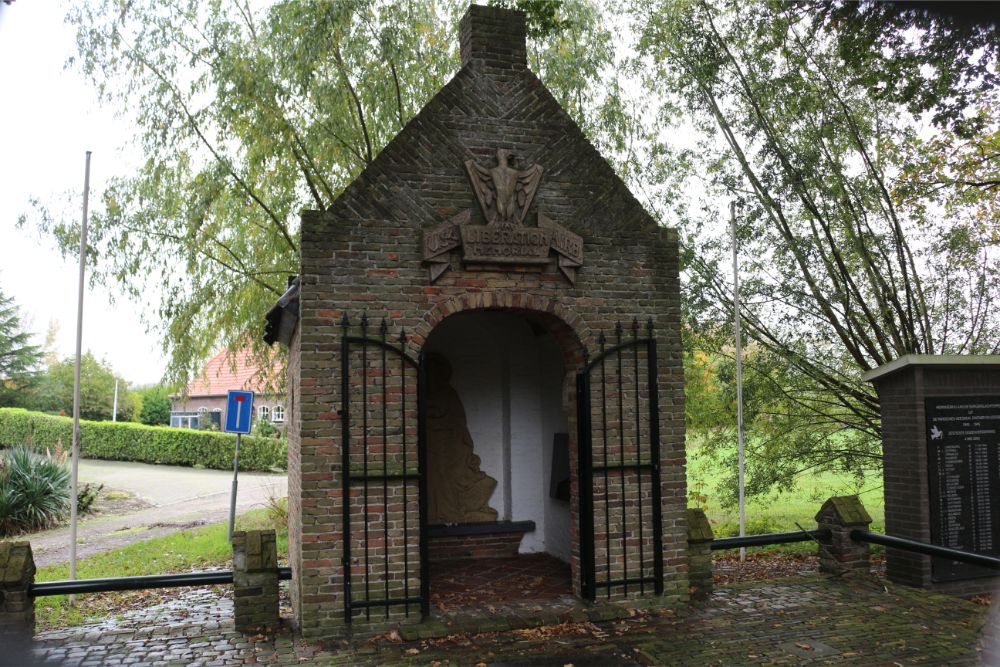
204, 399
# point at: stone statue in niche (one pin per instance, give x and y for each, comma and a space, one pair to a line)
457, 490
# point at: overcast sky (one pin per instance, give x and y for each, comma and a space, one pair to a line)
50, 119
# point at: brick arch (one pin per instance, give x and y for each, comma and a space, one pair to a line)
570, 331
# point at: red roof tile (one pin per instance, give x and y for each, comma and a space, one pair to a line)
219, 376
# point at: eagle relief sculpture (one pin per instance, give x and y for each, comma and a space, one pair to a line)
505, 195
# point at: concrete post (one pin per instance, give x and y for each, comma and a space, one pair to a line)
17, 606
699, 553
255, 580
840, 554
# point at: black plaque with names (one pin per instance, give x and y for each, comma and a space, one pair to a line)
963, 462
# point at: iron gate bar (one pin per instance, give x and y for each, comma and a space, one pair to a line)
624, 582
648, 467
345, 461
406, 503
589, 583
654, 455
385, 469
604, 435
364, 441
392, 476
425, 578
366, 478
638, 451
586, 483
368, 604
621, 443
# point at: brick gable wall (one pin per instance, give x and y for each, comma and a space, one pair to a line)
364, 256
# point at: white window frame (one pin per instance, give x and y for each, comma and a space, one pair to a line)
278, 414
263, 412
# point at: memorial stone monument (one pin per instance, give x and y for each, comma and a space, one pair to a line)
484, 308
941, 458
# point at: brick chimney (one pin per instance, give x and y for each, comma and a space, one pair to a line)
494, 36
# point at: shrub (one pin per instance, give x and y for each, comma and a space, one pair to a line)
87, 496
34, 490
127, 441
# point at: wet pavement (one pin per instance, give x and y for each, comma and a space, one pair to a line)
809, 619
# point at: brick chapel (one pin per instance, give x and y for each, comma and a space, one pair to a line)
484, 361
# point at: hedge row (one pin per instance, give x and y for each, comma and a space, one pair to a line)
127, 441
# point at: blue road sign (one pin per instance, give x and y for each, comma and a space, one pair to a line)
239, 409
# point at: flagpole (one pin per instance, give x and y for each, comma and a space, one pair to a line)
75, 454
739, 380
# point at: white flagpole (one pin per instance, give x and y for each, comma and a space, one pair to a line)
739, 380
76, 381
114, 410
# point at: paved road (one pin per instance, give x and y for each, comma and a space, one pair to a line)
180, 498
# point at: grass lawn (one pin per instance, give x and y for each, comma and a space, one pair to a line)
207, 548
779, 511
204, 548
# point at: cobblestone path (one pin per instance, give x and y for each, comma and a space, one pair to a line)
806, 620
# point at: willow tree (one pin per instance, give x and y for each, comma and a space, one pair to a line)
845, 267
245, 115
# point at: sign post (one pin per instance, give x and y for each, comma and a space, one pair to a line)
239, 410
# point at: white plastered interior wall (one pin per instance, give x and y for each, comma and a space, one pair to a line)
512, 382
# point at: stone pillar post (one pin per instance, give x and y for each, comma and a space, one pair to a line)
17, 606
699, 553
255, 580
840, 554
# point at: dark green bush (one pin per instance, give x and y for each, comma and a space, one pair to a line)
34, 490
127, 441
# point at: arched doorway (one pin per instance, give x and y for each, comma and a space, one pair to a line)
498, 460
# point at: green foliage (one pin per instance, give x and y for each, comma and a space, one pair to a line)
87, 496
124, 441
842, 269
97, 389
706, 403
19, 359
247, 115
264, 428
940, 60
155, 406
34, 490
711, 488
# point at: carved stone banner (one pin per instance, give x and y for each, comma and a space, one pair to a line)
497, 245
504, 194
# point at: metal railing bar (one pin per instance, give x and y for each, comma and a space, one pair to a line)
907, 544
139, 583
770, 538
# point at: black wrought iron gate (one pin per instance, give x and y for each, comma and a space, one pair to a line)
618, 425
384, 474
